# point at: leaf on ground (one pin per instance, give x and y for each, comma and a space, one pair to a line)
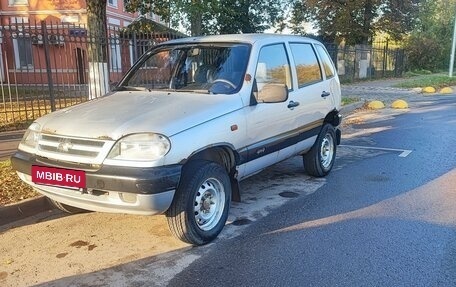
12, 189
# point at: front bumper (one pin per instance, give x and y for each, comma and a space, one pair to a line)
132, 190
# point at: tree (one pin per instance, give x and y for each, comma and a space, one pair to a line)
247, 16
355, 21
398, 18
192, 10
97, 48
214, 16
428, 45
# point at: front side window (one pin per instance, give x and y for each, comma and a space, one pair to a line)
214, 68
273, 67
307, 67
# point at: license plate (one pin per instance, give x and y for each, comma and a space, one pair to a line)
58, 176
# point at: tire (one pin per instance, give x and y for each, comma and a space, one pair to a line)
200, 206
68, 208
319, 160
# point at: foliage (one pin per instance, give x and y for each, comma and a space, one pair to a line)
234, 16
349, 100
159, 7
428, 46
19, 115
433, 80
356, 22
214, 16
398, 17
12, 188
415, 73
425, 53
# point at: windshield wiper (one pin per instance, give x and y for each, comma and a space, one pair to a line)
131, 88
193, 91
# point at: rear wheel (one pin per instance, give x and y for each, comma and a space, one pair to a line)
320, 159
67, 208
200, 206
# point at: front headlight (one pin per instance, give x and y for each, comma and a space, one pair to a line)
140, 147
31, 137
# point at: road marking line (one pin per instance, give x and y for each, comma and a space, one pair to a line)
404, 152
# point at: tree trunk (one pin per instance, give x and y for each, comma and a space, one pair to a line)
368, 18
196, 18
97, 48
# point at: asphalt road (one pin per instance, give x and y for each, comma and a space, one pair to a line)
379, 221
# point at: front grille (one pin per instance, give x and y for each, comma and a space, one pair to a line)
73, 149
67, 165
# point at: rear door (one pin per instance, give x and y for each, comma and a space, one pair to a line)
330, 75
313, 93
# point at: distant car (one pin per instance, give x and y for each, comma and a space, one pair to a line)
191, 119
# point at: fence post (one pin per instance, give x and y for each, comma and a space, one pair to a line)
135, 47
48, 64
385, 58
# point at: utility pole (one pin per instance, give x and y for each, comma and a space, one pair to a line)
450, 74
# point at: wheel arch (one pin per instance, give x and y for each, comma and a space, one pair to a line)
226, 156
222, 154
335, 119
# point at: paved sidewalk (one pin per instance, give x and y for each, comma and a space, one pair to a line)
381, 90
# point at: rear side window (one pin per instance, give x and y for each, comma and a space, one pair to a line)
307, 67
326, 61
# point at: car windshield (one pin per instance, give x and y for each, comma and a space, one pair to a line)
202, 68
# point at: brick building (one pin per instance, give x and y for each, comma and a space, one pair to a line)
25, 23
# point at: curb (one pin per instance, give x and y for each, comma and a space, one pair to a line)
348, 109
24, 209
9, 142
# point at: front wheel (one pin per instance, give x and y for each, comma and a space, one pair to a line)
320, 159
200, 206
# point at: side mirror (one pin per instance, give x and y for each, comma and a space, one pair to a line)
273, 93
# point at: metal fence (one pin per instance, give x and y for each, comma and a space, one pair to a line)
379, 60
44, 66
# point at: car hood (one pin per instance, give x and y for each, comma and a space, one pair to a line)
122, 113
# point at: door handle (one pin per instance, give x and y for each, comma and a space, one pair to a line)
292, 104
325, 94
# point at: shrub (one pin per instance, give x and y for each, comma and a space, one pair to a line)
425, 53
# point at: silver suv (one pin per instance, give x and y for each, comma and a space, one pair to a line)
190, 119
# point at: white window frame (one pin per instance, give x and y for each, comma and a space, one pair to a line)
17, 59
115, 61
114, 3
130, 46
18, 3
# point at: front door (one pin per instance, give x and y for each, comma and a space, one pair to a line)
269, 123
